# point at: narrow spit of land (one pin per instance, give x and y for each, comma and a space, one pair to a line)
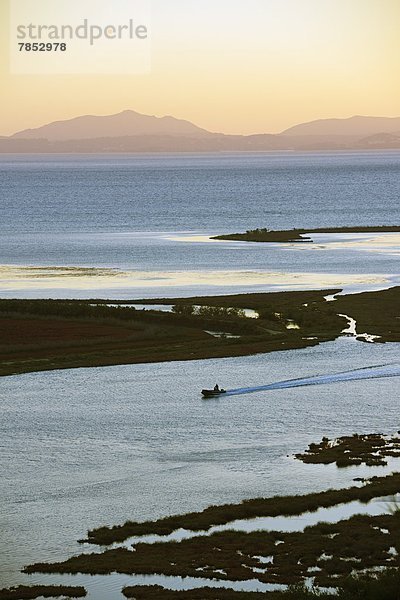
37, 335
328, 552
383, 585
299, 235
26, 592
247, 509
377, 586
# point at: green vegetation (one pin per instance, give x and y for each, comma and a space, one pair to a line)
26, 592
100, 310
40, 335
327, 552
369, 449
379, 586
157, 592
308, 309
209, 312
384, 585
266, 235
297, 235
54, 334
247, 509
376, 313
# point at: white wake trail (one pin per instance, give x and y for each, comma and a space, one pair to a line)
373, 372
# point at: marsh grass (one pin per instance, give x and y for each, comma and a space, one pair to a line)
369, 449
376, 313
157, 592
58, 334
162, 336
379, 586
297, 235
25, 592
331, 552
247, 509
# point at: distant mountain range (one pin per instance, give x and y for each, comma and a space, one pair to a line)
130, 131
356, 126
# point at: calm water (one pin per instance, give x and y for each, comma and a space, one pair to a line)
85, 447
90, 446
67, 194
144, 213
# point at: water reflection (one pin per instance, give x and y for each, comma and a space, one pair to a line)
87, 447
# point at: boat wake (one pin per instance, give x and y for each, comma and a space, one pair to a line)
374, 372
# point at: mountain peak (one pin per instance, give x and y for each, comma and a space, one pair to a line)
125, 123
131, 131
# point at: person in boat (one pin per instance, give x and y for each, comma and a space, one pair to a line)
216, 388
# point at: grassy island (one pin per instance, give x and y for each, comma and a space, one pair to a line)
356, 557
247, 509
299, 235
157, 592
379, 586
37, 335
27, 592
328, 552
369, 449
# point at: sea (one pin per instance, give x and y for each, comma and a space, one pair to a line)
86, 447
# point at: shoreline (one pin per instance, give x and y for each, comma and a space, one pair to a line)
64, 334
296, 235
271, 556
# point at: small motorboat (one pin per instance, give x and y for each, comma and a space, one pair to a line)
212, 393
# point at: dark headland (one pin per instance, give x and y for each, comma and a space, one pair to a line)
37, 335
299, 235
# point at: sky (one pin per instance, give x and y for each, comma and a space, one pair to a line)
232, 66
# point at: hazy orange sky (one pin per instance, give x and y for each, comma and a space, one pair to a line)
236, 66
